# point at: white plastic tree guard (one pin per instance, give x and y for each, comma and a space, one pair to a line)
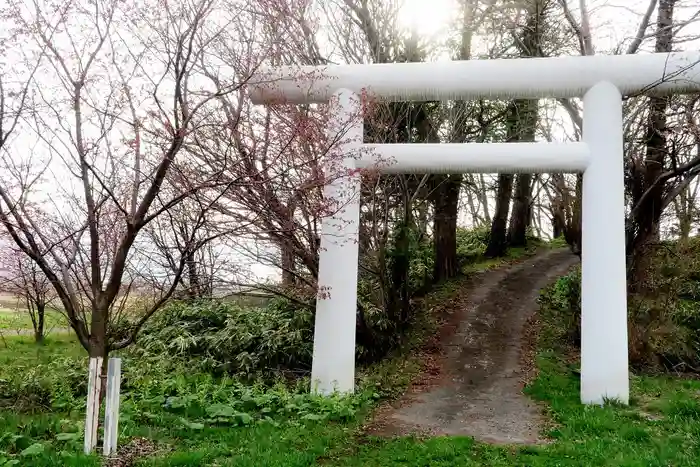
111, 432
600, 80
92, 415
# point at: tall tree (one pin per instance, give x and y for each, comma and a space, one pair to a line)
117, 100
22, 278
529, 45
498, 239
648, 188
445, 196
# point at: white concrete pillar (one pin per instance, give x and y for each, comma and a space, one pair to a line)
604, 358
333, 366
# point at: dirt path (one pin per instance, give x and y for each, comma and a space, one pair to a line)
480, 394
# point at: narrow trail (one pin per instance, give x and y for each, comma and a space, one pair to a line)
480, 393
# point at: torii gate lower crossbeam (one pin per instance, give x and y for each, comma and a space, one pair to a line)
604, 371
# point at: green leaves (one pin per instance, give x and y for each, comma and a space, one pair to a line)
33, 450
69, 436
220, 411
191, 425
224, 337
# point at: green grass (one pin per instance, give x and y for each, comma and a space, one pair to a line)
661, 427
18, 319
17, 351
485, 264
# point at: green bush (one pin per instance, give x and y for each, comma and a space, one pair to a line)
664, 326
421, 264
156, 391
263, 342
223, 337
407, 246
471, 243
564, 296
665, 323
54, 385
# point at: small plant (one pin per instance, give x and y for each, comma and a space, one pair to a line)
471, 243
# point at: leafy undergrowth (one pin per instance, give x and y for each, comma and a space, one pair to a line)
472, 243
194, 417
485, 264
664, 317
226, 337
197, 419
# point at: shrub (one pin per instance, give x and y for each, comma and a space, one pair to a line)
226, 338
471, 243
409, 248
422, 263
266, 341
664, 327
55, 385
665, 324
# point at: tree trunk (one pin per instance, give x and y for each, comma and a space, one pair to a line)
446, 196
484, 199
399, 300
557, 225
498, 240
522, 205
684, 212
526, 126
98, 346
288, 258
473, 211
557, 206
288, 277
193, 289
39, 325
645, 176
445, 228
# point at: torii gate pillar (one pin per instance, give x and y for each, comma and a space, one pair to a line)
604, 355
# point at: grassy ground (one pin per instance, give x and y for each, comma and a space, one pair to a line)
14, 317
19, 320
661, 427
493, 263
197, 420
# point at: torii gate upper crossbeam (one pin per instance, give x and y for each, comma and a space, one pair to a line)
530, 78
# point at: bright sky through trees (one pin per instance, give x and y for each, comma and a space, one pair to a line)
427, 18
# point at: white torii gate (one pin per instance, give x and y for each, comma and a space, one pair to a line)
601, 80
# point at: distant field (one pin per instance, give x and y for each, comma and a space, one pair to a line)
7, 301
12, 319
